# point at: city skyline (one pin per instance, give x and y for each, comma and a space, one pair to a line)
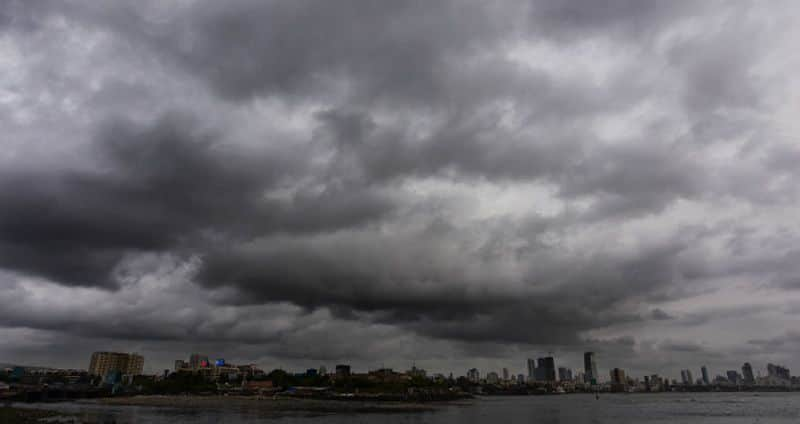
453, 184
539, 370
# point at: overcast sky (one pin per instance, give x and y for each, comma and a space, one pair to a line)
446, 183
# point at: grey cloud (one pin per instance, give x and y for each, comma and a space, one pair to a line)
779, 342
680, 346
718, 70
626, 19
397, 170
407, 283
252, 47
719, 313
155, 189
659, 314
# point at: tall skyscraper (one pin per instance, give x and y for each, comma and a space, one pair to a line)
546, 371
590, 367
747, 373
686, 377
505, 374
102, 363
704, 372
531, 369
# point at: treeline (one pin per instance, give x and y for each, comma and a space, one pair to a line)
192, 383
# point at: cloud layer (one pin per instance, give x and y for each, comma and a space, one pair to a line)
453, 183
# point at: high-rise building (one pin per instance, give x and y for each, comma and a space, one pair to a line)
546, 371
342, 370
492, 378
102, 363
686, 377
564, 374
655, 382
473, 375
531, 369
778, 372
197, 361
590, 367
618, 381
704, 372
747, 373
505, 374
733, 376
618, 376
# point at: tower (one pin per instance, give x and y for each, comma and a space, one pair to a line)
590, 367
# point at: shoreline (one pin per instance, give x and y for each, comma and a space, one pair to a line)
14, 414
269, 403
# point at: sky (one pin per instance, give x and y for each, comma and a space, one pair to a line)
446, 184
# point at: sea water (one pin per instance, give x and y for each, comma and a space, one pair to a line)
690, 408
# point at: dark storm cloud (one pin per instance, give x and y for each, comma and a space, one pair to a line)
158, 188
466, 172
403, 282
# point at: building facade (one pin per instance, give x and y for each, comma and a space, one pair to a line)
564, 374
590, 367
546, 371
102, 363
197, 361
342, 370
618, 376
686, 377
747, 374
531, 369
778, 372
473, 375
704, 372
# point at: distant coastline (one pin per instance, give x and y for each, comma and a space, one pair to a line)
282, 404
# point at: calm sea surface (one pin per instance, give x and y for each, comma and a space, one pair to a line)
736, 408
